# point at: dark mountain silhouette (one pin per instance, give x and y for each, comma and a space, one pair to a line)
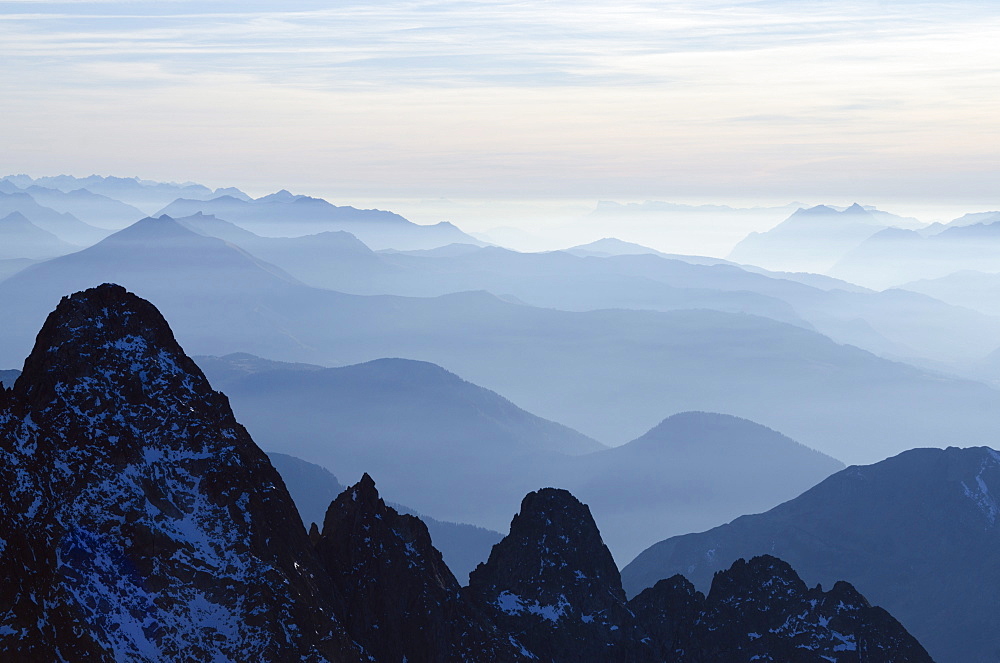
140, 522
761, 610
611, 374
810, 240
313, 487
20, 238
916, 533
552, 583
283, 214
64, 226
400, 600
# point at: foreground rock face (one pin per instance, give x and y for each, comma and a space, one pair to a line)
762, 611
402, 602
917, 533
552, 582
140, 521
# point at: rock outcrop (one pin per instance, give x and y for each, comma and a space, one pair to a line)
402, 603
140, 522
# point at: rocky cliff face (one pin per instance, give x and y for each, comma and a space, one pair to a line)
402, 602
760, 610
141, 522
553, 580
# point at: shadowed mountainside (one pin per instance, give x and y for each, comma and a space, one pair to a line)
916, 533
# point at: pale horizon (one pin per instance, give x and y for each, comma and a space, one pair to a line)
684, 101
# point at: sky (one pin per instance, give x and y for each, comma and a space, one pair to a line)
885, 102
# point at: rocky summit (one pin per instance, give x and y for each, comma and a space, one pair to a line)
553, 581
141, 523
401, 600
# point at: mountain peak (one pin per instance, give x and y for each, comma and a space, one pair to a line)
761, 581
154, 524
367, 484
401, 601
553, 570
15, 217
107, 326
524, 562
282, 196
154, 229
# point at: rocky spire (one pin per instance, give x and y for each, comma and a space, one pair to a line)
402, 601
553, 580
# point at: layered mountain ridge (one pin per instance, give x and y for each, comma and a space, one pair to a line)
144, 524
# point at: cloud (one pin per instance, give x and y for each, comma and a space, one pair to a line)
588, 97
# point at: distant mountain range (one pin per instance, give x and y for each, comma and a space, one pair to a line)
712, 228
916, 533
610, 374
690, 470
611, 246
92, 208
65, 226
283, 214
894, 256
814, 239
477, 452
895, 325
20, 238
979, 291
144, 195
620, 275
